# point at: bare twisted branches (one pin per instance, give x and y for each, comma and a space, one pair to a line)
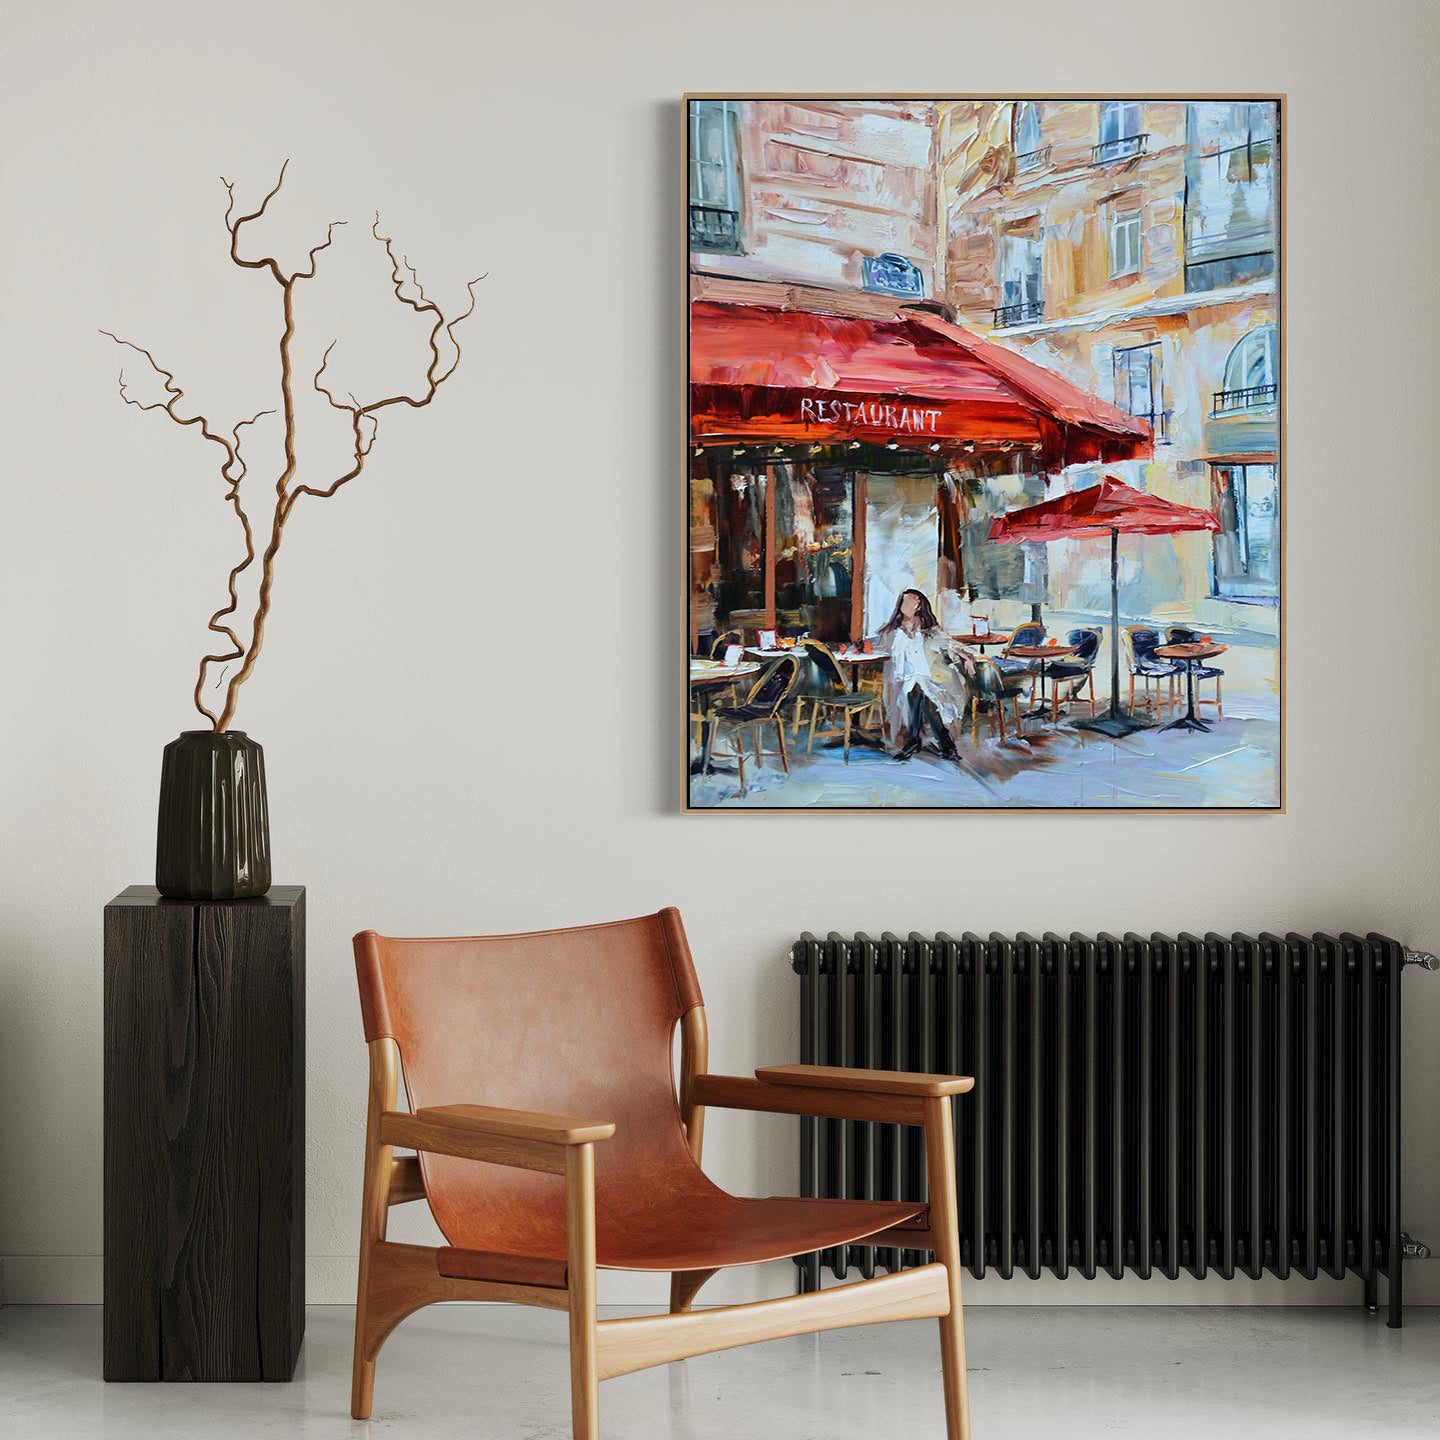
436, 374
445, 357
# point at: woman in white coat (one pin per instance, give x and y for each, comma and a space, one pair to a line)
926, 678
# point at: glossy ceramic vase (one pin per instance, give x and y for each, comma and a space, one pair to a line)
213, 841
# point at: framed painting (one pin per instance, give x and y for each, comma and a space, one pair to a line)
984, 452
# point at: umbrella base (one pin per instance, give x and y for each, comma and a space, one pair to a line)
1187, 722
1117, 724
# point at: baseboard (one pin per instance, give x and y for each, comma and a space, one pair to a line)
330, 1280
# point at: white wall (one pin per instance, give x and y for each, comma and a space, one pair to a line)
427, 772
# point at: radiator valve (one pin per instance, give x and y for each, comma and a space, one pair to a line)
1423, 958
1413, 1249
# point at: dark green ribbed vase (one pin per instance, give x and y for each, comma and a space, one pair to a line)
213, 841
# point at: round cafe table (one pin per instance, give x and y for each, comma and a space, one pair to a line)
991, 637
855, 659
1043, 653
1191, 654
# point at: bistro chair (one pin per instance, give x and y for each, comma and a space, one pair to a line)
1140, 642
1078, 669
717, 649
1184, 635
989, 690
551, 1143
723, 641
762, 707
1032, 632
837, 705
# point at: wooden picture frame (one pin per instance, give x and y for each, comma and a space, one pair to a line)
734, 274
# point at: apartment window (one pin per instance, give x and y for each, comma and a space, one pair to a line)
1022, 295
1137, 385
1029, 153
714, 176
1230, 186
1251, 373
1121, 135
1247, 549
1125, 257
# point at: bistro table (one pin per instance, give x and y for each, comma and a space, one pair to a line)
1052, 651
990, 637
1191, 654
855, 659
706, 676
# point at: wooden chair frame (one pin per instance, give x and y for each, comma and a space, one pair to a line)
994, 718
843, 700
756, 727
396, 1280
1151, 699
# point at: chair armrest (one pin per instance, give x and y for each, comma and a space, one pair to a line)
897, 1106
528, 1139
868, 1082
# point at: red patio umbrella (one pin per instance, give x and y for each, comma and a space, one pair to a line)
1116, 508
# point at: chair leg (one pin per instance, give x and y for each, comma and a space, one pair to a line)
847, 736
780, 731
759, 759
374, 1210
1219, 708
709, 746
814, 716
580, 1257
1132, 692
975, 721
945, 1228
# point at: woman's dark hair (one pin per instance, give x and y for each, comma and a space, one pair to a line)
925, 615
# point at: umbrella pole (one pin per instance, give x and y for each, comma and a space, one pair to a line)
1117, 723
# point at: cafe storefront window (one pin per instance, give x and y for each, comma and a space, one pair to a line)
784, 552
1247, 549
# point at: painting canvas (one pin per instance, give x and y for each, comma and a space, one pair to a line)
983, 452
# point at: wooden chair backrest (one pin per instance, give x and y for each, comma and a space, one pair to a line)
574, 1022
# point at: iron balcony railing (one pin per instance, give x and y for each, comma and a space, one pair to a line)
712, 228
1123, 148
1248, 397
1033, 159
1021, 314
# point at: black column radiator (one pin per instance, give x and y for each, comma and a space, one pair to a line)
1218, 1105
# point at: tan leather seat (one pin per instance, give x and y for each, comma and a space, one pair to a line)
578, 1022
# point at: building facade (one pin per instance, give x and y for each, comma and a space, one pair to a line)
1132, 246
830, 208
1129, 246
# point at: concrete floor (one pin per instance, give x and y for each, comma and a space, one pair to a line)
1035, 1373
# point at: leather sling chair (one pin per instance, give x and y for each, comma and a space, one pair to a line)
551, 1141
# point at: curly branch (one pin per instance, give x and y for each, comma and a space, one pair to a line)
175, 394
434, 376
266, 262
323, 245
363, 444
237, 650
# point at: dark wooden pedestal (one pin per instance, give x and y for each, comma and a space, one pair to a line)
204, 1136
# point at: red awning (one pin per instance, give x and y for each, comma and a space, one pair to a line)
1110, 505
766, 373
